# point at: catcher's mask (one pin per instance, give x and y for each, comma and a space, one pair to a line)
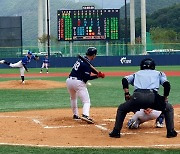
147, 63
91, 51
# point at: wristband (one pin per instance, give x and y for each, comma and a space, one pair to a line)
126, 93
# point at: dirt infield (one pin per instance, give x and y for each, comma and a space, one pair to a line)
168, 73
31, 84
56, 128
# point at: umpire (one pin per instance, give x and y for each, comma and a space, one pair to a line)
146, 83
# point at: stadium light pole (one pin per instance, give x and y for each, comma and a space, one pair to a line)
48, 27
126, 49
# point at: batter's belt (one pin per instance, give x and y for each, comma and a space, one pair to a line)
74, 78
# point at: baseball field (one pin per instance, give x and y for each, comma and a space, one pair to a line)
36, 117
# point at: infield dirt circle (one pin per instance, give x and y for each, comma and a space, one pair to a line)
56, 128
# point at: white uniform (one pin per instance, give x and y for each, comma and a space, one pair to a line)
21, 64
76, 85
143, 117
18, 65
77, 88
44, 65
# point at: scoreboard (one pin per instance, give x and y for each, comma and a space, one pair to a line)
88, 24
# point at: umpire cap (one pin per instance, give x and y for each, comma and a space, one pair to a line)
147, 63
91, 51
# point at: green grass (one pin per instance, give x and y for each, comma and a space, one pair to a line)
34, 150
103, 69
105, 92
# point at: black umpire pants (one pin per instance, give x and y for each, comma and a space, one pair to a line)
143, 99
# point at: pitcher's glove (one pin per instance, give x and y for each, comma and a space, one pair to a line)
36, 57
127, 96
100, 75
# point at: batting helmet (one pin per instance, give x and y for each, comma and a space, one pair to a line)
147, 63
91, 51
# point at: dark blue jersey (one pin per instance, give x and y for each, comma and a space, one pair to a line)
27, 59
82, 71
46, 60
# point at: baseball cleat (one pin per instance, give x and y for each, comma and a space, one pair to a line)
2, 61
40, 72
87, 119
115, 134
171, 134
75, 117
133, 124
159, 121
159, 125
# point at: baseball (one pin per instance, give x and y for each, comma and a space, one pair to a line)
89, 83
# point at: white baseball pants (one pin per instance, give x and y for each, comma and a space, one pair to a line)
77, 88
18, 65
143, 117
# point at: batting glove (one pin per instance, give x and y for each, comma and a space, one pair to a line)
100, 75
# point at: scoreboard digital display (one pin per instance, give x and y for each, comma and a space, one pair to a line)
88, 24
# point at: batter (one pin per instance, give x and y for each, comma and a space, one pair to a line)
76, 85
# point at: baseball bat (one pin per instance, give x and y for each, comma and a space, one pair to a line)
92, 67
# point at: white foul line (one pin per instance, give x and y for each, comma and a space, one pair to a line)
150, 146
101, 127
53, 127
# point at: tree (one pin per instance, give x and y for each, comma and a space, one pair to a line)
159, 35
164, 38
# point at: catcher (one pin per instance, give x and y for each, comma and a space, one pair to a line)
21, 64
146, 84
145, 115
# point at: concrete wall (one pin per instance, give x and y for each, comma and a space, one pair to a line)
103, 61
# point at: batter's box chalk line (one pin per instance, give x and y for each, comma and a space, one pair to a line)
99, 126
55, 127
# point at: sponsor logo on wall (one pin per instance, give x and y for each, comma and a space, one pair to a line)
124, 60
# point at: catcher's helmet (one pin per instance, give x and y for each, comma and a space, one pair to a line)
91, 51
147, 63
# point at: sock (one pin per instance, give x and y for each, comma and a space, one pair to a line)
22, 78
7, 63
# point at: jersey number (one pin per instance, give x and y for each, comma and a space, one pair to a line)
76, 65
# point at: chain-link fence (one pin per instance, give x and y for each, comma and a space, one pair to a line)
111, 49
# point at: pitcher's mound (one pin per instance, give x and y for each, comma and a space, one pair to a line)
31, 84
